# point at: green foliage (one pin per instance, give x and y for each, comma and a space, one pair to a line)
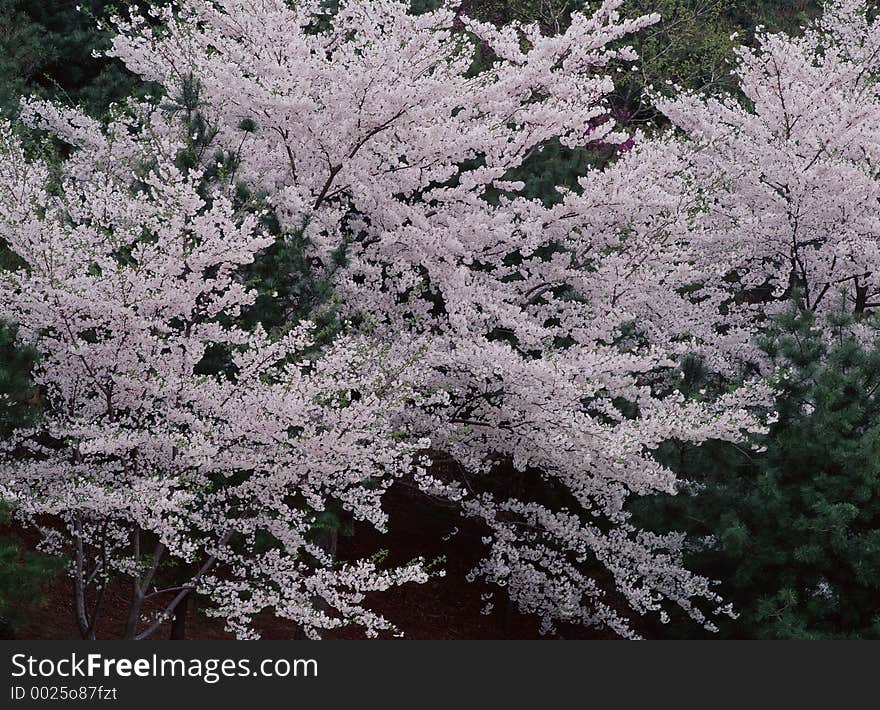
556, 166
46, 49
22, 573
22, 576
18, 399
691, 46
776, 15
795, 527
290, 289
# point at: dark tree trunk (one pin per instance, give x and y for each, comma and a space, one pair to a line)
861, 298
178, 621
507, 616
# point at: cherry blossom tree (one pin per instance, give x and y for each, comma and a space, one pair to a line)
548, 333
177, 446
789, 172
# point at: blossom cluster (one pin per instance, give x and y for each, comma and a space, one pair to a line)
129, 287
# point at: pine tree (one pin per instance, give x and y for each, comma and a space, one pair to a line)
794, 531
47, 48
22, 573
